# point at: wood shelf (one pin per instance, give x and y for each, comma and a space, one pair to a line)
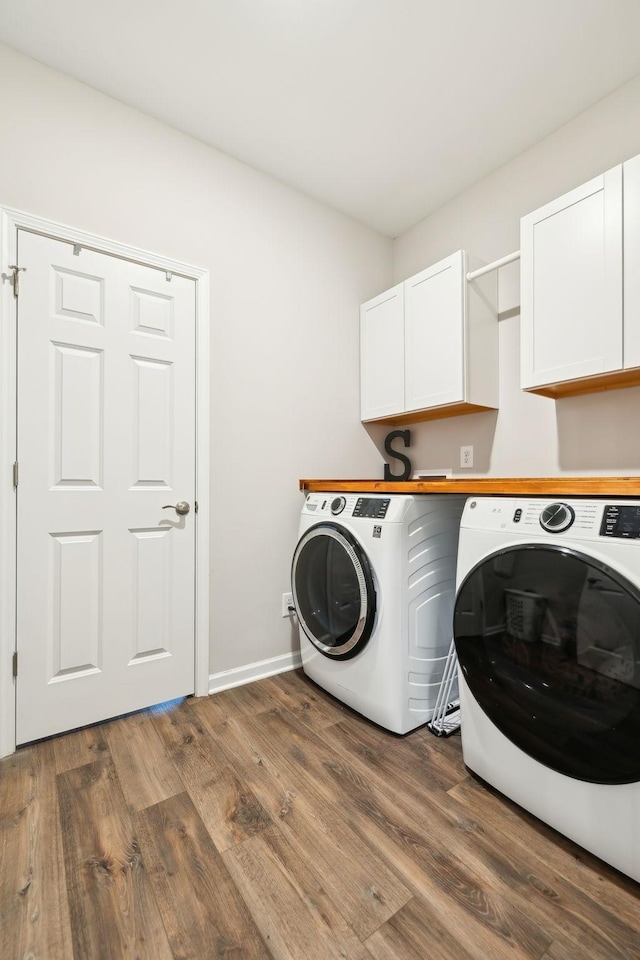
504, 486
576, 388
432, 413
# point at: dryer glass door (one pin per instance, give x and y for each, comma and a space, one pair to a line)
333, 591
548, 642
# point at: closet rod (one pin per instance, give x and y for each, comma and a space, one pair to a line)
493, 266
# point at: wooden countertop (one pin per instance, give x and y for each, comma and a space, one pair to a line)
506, 486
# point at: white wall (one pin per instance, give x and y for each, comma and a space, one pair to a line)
530, 435
287, 276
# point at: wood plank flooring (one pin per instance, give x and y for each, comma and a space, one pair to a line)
270, 821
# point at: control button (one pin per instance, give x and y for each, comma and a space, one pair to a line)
517, 515
338, 505
557, 517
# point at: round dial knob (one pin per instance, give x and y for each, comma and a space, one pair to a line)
338, 505
557, 517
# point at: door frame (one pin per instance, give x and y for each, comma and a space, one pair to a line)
11, 221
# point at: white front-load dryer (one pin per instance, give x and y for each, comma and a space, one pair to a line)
547, 635
373, 582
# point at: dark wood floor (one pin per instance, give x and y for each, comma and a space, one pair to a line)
270, 821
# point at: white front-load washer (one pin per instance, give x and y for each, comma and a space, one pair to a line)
547, 635
373, 582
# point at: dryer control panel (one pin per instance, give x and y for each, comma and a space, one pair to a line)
621, 520
574, 519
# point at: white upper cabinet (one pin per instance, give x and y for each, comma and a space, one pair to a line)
631, 288
580, 296
434, 335
382, 344
429, 346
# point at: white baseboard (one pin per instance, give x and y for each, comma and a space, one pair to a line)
253, 671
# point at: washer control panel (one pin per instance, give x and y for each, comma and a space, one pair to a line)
370, 507
621, 520
356, 506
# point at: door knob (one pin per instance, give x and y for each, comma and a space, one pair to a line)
181, 507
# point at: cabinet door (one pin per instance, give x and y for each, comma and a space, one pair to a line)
631, 187
571, 284
434, 335
382, 355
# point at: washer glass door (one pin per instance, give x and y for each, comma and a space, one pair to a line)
333, 591
548, 642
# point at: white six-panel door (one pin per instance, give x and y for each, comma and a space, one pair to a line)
106, 439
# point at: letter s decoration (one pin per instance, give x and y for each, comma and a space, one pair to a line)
405, 435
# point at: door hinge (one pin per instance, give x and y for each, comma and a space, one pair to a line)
16, 278
16, 467
15, 663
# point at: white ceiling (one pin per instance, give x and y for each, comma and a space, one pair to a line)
383, 109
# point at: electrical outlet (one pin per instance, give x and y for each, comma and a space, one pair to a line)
287, 601
466, 456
